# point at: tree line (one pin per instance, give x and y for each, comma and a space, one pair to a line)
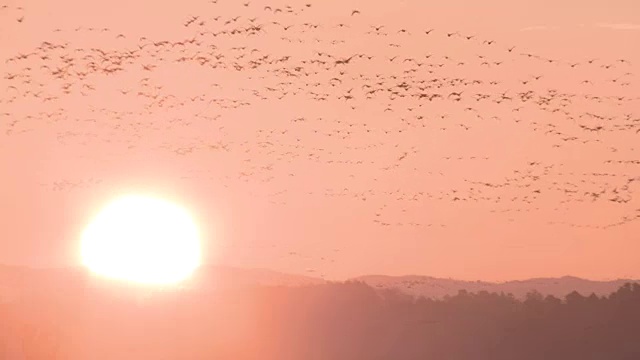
349, 321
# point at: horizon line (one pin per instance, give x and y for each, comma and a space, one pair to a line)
351, 278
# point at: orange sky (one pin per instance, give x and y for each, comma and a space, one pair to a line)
291, 161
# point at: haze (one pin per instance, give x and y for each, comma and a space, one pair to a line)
315, 139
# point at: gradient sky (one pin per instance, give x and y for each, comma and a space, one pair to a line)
290, 160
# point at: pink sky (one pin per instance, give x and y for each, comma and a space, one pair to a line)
307, 184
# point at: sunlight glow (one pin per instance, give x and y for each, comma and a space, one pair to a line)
143, 240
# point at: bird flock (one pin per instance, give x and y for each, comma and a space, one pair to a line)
262, 98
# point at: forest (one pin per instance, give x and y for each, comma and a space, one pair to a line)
348, 320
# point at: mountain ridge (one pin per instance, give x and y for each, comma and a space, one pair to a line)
16, 279
432, 287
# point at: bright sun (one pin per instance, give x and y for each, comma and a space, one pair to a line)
143, 240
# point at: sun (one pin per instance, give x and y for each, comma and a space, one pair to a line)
142, 240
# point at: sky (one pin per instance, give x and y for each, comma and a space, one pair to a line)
490, 140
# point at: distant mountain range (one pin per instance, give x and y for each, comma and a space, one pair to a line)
230, 277
16, 281
437, 288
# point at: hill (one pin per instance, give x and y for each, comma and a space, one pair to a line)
16, 281
437, 288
